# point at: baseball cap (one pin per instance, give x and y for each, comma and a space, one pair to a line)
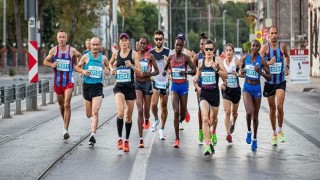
181, 36
124, 35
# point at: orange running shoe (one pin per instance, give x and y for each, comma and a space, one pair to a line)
146, 124
187, 116
176, 143
141, 144
120, 144
126, 147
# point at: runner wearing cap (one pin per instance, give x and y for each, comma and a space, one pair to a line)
128, 64
178, 63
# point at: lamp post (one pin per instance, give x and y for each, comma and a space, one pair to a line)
224, 28
238, 32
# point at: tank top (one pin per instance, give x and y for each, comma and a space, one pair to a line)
124, 75
161, 82
176, 68
276, 69
95, 66
64, 69
209, 77
232, 80
250, 73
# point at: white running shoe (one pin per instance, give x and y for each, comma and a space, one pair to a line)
154, 126
181, 126
162, 134
66, 134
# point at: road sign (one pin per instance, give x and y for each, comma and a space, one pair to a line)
299, 66
33, 61
258, 35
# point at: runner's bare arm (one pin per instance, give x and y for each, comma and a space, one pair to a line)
154, 65
192, 66
168, 63
111, 62
221, 70
76, 53
81, 63
48, 60
266, 73
137, 67
286, 57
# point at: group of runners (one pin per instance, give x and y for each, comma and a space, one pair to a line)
144, 77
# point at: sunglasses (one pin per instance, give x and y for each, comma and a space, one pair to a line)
158, 39
209, 49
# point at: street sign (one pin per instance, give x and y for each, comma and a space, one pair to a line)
32, 22
258, 35
299, 66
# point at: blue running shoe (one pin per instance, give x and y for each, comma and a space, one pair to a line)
248, 139
254, 145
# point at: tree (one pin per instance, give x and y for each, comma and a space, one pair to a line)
18, 25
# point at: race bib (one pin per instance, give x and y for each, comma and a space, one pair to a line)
161, 85
275, 68
63, 65
95, 71
176, 72
123, 75
144, 65
232, 81
250, 72
208, 77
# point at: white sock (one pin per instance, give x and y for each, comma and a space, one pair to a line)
280, 129
275, 132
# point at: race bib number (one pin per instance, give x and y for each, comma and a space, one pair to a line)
250, 72
176, 72
208, 77
123, 75
144, 65
161, 85
63, 65
95, 71
232, 81
275, 68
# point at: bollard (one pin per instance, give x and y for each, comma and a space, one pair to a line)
31, 94
51, 90
19, 89
8, 98
44, 97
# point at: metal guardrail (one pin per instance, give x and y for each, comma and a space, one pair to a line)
30, 92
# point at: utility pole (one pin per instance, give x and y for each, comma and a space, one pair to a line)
224, 27
291, 25
4, 23
159, 18
258, 16
238, 32
209, 21
170, 27
186, 23
115, 21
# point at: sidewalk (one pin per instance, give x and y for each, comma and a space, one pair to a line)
313, 86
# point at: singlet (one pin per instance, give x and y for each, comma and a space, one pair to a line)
85, 52
252, 74
64, 69
124, 75
276, 69
176, 68
161, 82
145, 63
232, 80
200, 57
209, 77
95, 66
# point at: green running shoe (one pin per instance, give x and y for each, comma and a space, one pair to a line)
281, 136
207, 150
214, 139
274, 140
200, 136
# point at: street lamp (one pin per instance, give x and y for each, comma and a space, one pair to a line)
224, 28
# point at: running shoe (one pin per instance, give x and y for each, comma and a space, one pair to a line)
187, 116
229, 138
248, 139
274, 140
214, 139
181, 126
146, 124
254, 145
154, 126
176, 143
120, 144
92, 140
281, 136
200, 136
66, 134
212, 149
126, 147
141, 144
232, 128
162, 134
207, 150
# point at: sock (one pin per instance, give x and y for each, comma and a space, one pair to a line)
128, 129
213, 131
93, 134
280, 129
119, 126
141, 138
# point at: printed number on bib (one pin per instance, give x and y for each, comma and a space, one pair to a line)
95, 71
63, 65
208, 77
123, 75
250, 72
275, 68
144, 65
176, 72
232, 81
161, 85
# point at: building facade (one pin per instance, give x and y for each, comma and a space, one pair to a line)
313, 36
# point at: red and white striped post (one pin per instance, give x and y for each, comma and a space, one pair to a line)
33, 61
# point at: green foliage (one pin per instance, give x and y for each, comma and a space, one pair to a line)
12, 72
193, 38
